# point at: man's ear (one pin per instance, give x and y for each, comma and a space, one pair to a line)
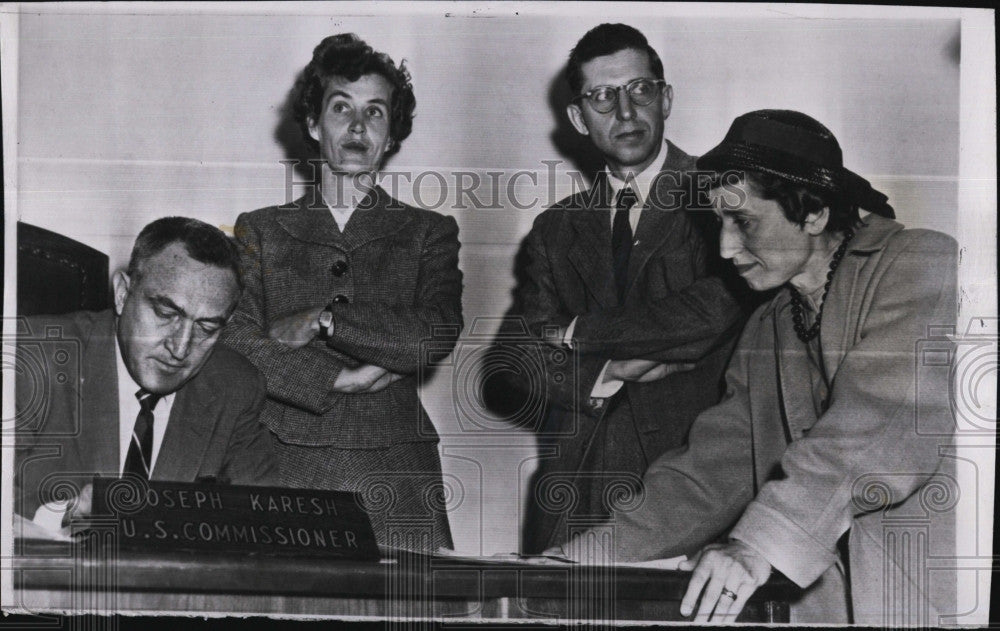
668, 100
576, 117
121, 282
313, 128
815, 222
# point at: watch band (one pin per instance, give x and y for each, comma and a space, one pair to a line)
325, 320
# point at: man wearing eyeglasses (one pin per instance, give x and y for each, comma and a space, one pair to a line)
618, 278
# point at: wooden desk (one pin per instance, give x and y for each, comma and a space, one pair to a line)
93, 578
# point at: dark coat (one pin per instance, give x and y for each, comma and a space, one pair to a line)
673, 311
393, 273
67, 402
403, 290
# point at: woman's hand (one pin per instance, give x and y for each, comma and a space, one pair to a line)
729, 574
296, 330
364, 378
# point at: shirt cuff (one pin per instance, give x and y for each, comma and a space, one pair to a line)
50, 516
603, 389
568, 336
788, 548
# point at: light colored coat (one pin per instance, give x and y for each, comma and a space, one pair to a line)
794, 482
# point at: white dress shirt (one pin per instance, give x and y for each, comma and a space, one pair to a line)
128, 411
341, 215
640, 184
51, 514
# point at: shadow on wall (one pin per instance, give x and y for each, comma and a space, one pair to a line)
503, 390
292, 140
573, 147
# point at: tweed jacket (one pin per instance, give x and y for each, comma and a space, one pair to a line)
67, 404
794, 482
673, 311
393, 276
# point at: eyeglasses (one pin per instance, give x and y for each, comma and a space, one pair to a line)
604, 98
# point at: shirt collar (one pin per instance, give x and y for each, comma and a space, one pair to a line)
643, 180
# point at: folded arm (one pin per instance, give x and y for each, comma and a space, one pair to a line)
681, 326
394, 335
302, 377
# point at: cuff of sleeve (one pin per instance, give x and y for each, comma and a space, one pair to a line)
603, 389
788, 548
50, 516
568, 336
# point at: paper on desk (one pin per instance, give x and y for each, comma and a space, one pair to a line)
505, 557
657, 564
24, 528
542, 559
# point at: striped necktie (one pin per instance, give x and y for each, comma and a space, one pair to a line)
140, 450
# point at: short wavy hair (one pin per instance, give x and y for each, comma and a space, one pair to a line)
348, 56
203, 242
798, 201
608, 39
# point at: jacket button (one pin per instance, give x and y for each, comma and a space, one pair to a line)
340, 299
339, 268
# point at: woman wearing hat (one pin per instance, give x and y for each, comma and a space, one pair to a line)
818, 462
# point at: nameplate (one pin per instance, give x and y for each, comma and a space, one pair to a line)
268, 520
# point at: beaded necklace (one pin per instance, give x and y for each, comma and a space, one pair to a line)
798, 311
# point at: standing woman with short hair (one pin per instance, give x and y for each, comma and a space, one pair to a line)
344, 285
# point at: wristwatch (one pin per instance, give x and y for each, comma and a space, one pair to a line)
325, 322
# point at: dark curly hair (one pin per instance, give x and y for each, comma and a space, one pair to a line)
607, 39
797, 201
347, 55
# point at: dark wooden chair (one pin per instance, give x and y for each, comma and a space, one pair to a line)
56, 274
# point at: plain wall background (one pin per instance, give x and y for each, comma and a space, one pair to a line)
127, 116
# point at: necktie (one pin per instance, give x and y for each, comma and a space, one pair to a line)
621, 239
140, 449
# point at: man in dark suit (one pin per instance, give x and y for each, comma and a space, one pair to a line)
617, 277
142, 390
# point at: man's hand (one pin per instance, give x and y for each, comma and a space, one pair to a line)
296, 330
364, 378
79, 509
642, 370
729, 574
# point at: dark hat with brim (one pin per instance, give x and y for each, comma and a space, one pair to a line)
794, 147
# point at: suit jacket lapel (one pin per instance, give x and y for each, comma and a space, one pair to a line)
98, 442
374, 219
192, 421
590, 246
312, 223
834, 333
793, 372
658, 220
837, 331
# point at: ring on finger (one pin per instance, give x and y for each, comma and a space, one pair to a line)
728, 593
